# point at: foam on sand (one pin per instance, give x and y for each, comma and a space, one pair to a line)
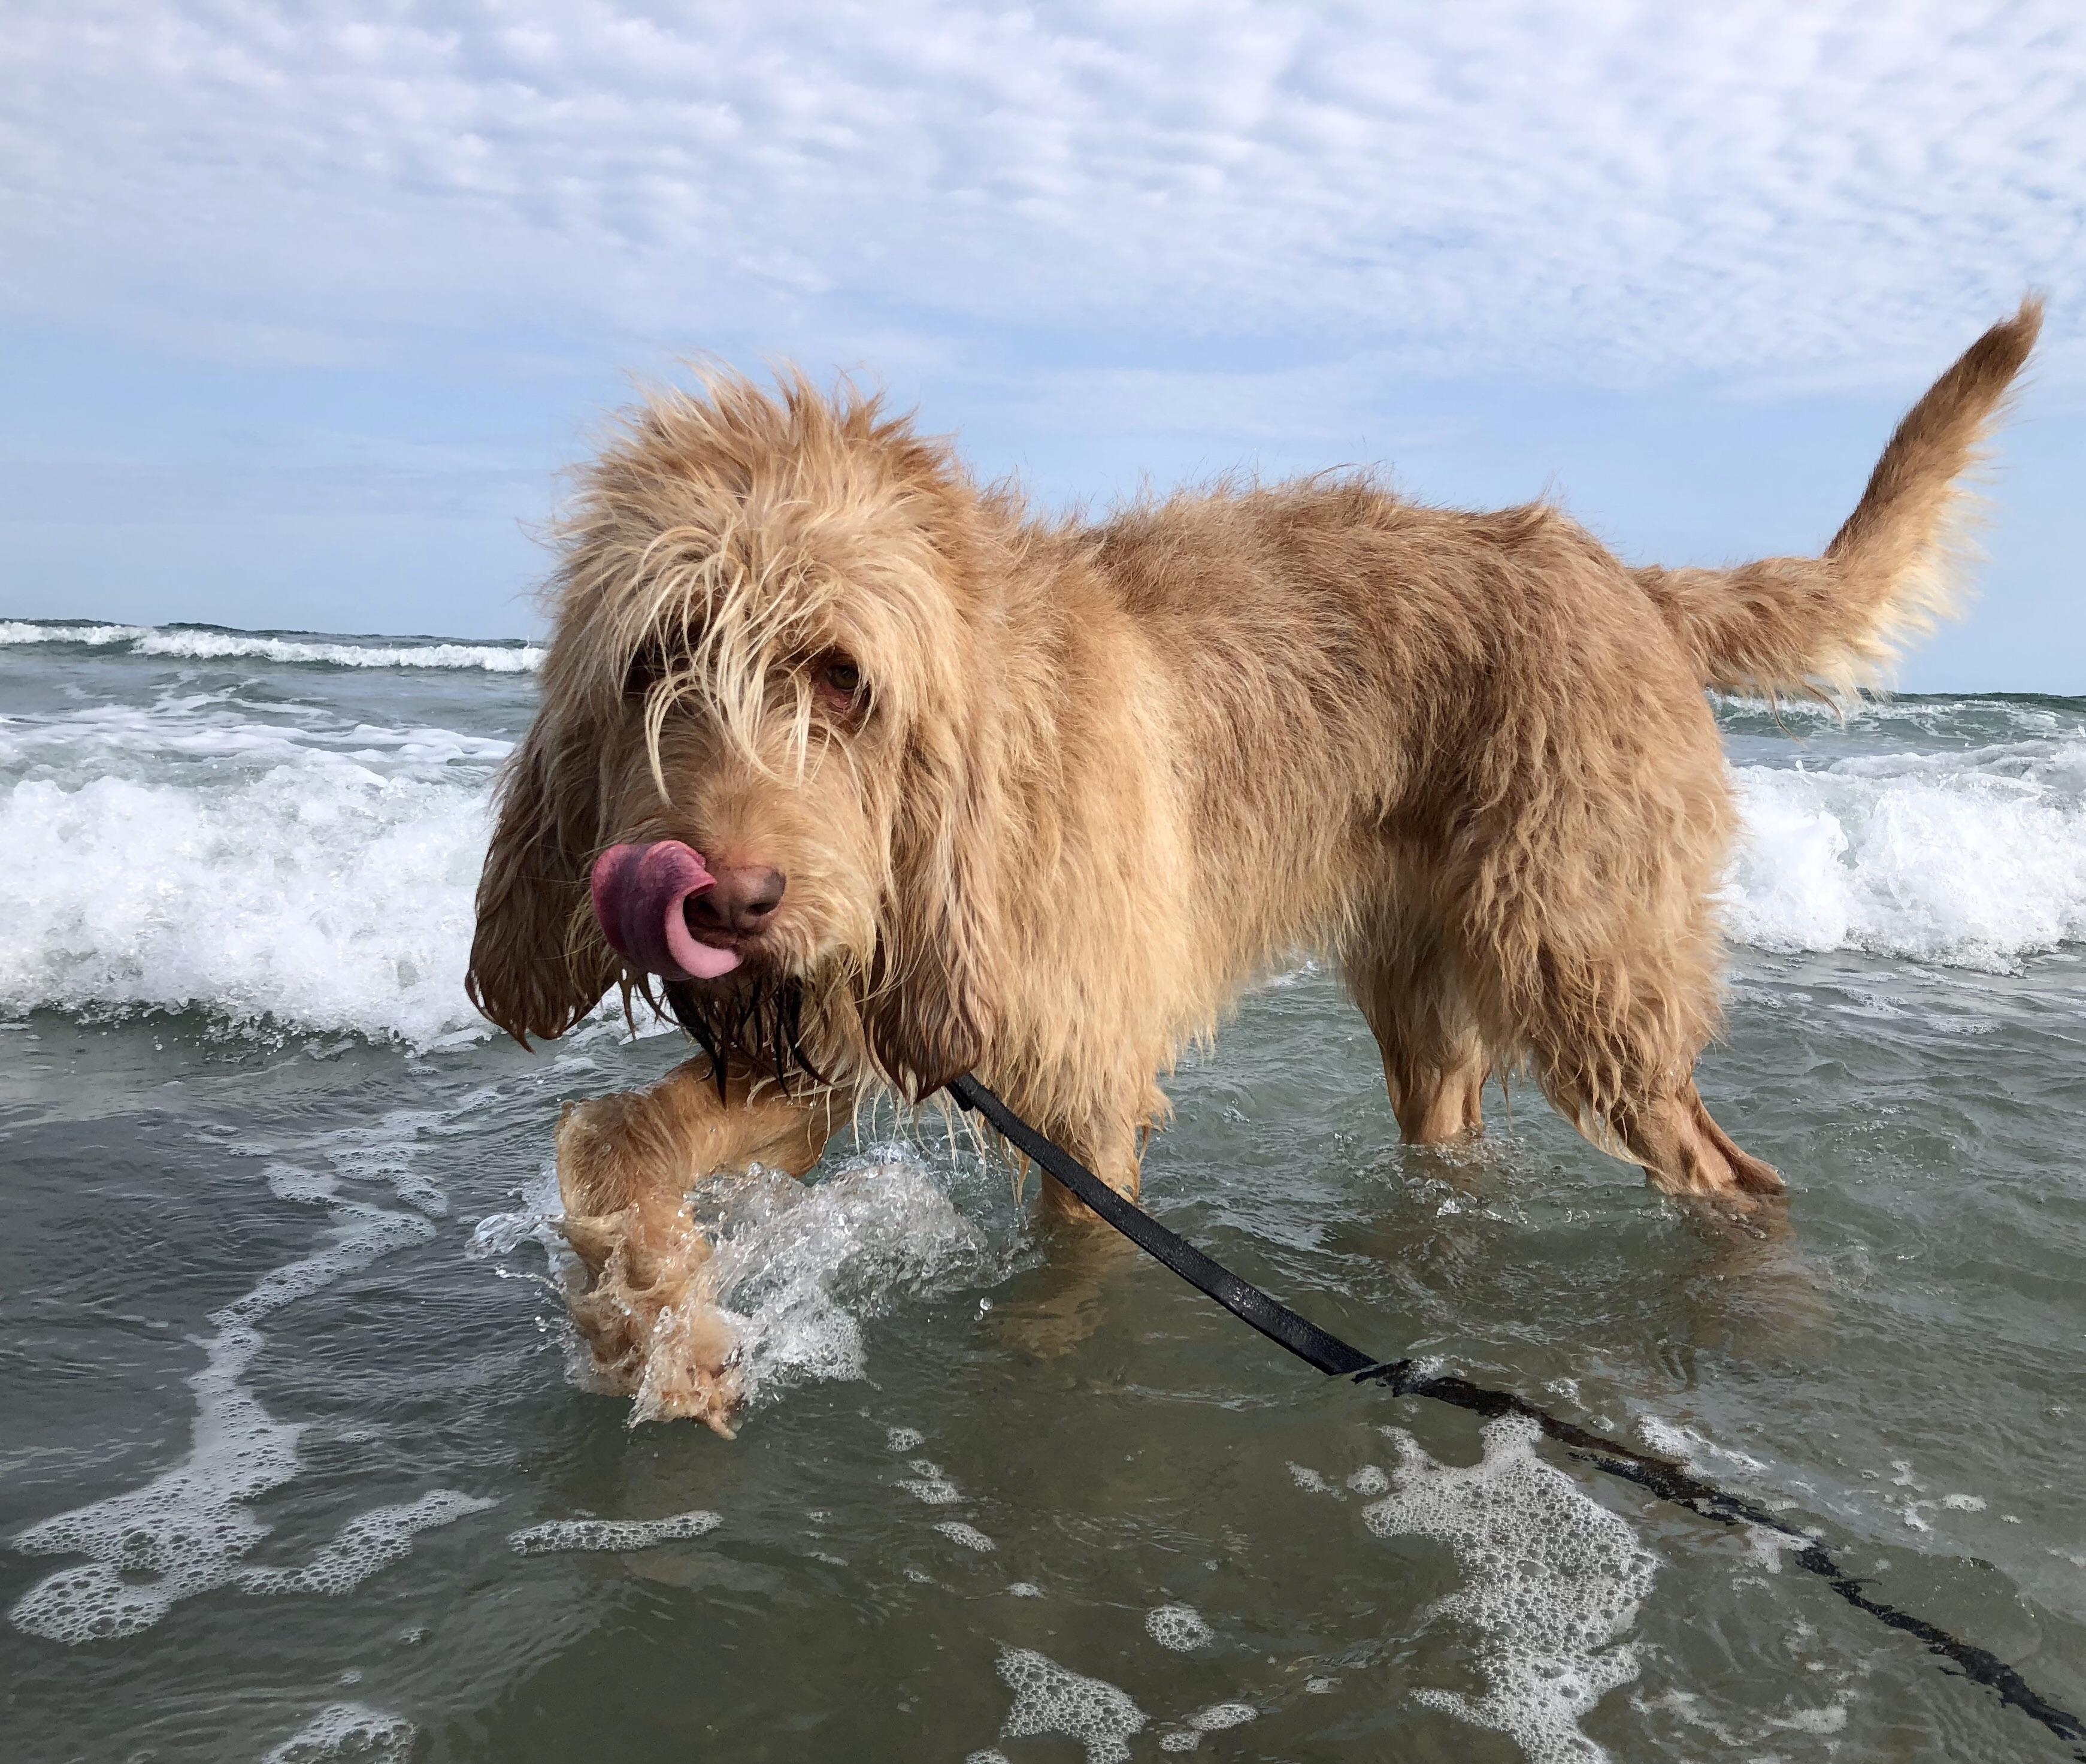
1553, 1582
612, 1536
189, 1530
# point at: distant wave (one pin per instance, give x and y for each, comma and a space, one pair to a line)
195, 643
321, 877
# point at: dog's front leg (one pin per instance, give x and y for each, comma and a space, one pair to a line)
626, 1162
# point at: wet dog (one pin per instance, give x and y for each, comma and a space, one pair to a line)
886, 778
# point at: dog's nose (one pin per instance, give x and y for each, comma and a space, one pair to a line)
744, 900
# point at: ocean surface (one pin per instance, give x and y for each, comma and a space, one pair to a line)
296, 1463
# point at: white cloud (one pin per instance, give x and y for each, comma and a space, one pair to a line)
1610, 194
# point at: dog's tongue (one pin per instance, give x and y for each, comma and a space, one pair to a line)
640, 892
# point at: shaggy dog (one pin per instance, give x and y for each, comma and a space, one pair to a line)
887, 779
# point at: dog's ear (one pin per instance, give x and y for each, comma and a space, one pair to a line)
934, 987
529, 973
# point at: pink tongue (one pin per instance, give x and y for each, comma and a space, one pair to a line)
639, 894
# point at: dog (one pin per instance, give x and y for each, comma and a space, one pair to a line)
885, 779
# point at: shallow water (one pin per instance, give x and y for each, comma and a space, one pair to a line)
296, 1465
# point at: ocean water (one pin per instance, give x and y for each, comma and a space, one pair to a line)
296, 1463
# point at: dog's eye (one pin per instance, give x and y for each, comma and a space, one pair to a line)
839, 684
647, 668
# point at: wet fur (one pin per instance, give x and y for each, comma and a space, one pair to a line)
1110, 775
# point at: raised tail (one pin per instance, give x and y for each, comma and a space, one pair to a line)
1828, 624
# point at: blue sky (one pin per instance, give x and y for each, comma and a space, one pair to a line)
306, 307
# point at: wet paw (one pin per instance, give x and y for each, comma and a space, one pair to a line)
648, 1315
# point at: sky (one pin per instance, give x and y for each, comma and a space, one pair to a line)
308, 310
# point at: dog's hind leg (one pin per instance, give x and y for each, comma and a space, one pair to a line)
1434, 1064
1684, 1152
1614, 1044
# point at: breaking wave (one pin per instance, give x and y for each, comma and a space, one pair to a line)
290, 864
1971, 860
288, 884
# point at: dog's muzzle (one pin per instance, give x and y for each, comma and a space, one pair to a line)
640, 897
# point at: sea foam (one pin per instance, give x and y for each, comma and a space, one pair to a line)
1552, 1582
347, 1733
612, 1536
190, 1530
1049, 1698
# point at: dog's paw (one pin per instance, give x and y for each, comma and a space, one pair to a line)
646, 1314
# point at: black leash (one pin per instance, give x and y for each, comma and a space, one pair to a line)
1661, 1476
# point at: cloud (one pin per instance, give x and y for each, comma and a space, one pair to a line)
1606, 194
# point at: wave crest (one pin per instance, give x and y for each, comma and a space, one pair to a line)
202, 643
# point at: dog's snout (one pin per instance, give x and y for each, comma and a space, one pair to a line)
744, 900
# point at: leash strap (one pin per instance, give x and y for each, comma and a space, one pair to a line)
1241, 1298
1658, 1476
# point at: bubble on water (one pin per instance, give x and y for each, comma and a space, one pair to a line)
905, 1439
612, 1535
1213, 1719
347, 1733
1309, 1481
1370, 1481
1696, 1451
187, 1530
1964, 1503
307, 1188
987, 1757
799, 1268
1320, 1687
969, 1535
1049, 1699
1025, 1589
1178, 1626
366, 1543
1767, 1546
1739, 1733
928, 1484
1832, 1718
1553, 1581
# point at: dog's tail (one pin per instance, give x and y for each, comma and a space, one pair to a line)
1828, 624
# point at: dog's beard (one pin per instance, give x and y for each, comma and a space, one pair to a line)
757, 1019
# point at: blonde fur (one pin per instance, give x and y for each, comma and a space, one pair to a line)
1105, 776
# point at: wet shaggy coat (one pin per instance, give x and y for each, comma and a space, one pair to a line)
1099, 778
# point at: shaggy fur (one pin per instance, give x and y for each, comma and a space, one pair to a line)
1098, 779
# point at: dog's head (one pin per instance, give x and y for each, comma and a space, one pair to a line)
772, 646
